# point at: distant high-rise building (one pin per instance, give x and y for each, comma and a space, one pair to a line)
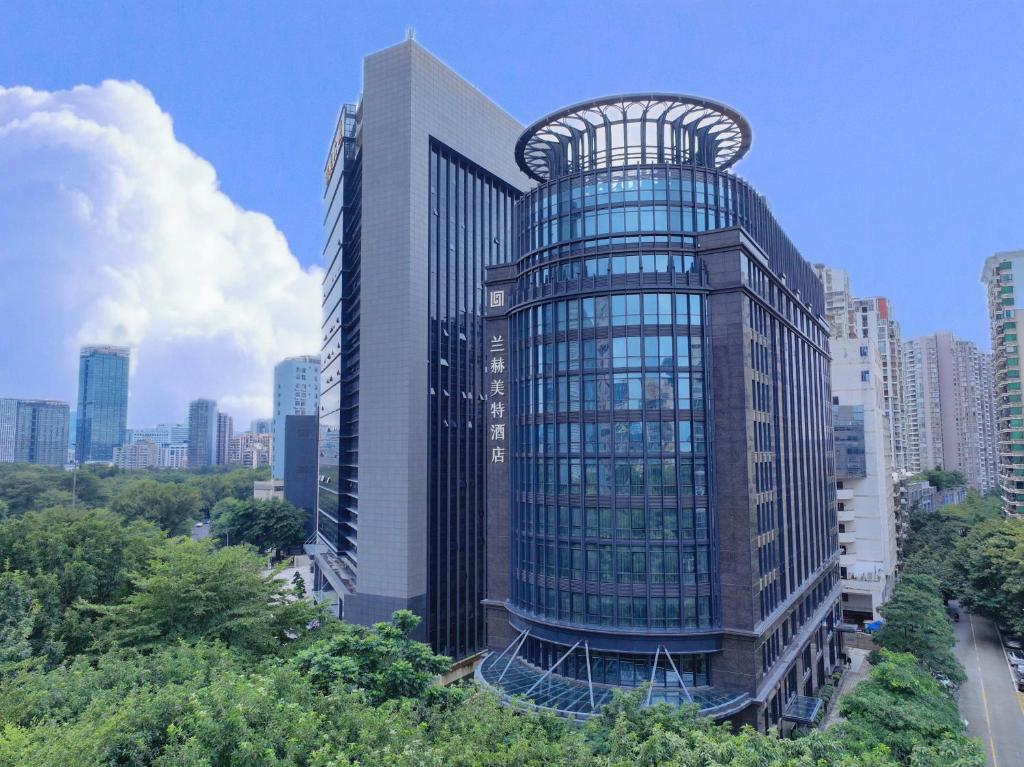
872, 318
202, 433
174, 457
250, 450
34, 431
1001, 275
225, 430
950, 408
300, 465
838, 300
264, 425
296, 392
102, 402
8, 428
161, 434
141, 454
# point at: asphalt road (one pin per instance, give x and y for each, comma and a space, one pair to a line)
989, 700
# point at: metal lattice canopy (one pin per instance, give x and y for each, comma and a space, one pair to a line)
633, 129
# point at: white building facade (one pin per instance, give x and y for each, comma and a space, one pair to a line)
868, 538
296, 392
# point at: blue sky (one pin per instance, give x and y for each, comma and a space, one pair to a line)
887, 136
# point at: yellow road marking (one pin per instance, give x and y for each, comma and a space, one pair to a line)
984, 697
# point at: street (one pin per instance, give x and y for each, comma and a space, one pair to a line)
989, 700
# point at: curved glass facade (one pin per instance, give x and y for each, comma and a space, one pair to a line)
610, 521
623, 210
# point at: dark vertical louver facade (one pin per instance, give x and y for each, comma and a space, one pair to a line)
470, 229
338, 491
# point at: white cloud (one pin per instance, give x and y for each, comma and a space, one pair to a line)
113, 231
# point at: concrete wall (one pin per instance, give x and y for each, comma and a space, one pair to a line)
408, 96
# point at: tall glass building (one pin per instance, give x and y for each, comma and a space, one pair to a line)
34, 431
296, 392
419, 187
202, 433
661, 484
102, 414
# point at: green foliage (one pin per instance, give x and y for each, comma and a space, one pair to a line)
18, 613
68, 556
916, 622
662, 736
191, 591
901, 707
989, 566
232, 484
974, 510
943, 480
383, 661
21, 485
172, 507
268, 525
27, 487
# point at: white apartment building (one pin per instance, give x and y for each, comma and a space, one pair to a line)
868, 538
143, 454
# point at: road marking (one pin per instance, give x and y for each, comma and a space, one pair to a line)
984, 697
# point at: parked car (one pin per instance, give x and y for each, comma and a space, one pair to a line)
1019, 677
1012, 644
1016, 657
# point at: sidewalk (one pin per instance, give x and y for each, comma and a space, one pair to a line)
301, 566
858, 670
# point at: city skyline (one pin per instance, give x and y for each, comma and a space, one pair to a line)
814, 84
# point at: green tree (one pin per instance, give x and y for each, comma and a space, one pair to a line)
22, 484
72, 555
916, 622
989, 566
938, 478
900, 706
171, 507
299, 585
267, 525
217, 485
383, 661
18, 613
192, 591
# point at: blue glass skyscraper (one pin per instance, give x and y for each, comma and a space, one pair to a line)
102, 415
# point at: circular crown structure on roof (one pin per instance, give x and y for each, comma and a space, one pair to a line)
633, 129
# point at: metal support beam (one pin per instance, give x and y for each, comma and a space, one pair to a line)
512, 657
509, 647
654, 669
557, 664
590, 683
682, 684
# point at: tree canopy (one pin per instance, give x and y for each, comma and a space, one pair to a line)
192, 591
916, 622
172, 507
989, 567
902, 707
268, 525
